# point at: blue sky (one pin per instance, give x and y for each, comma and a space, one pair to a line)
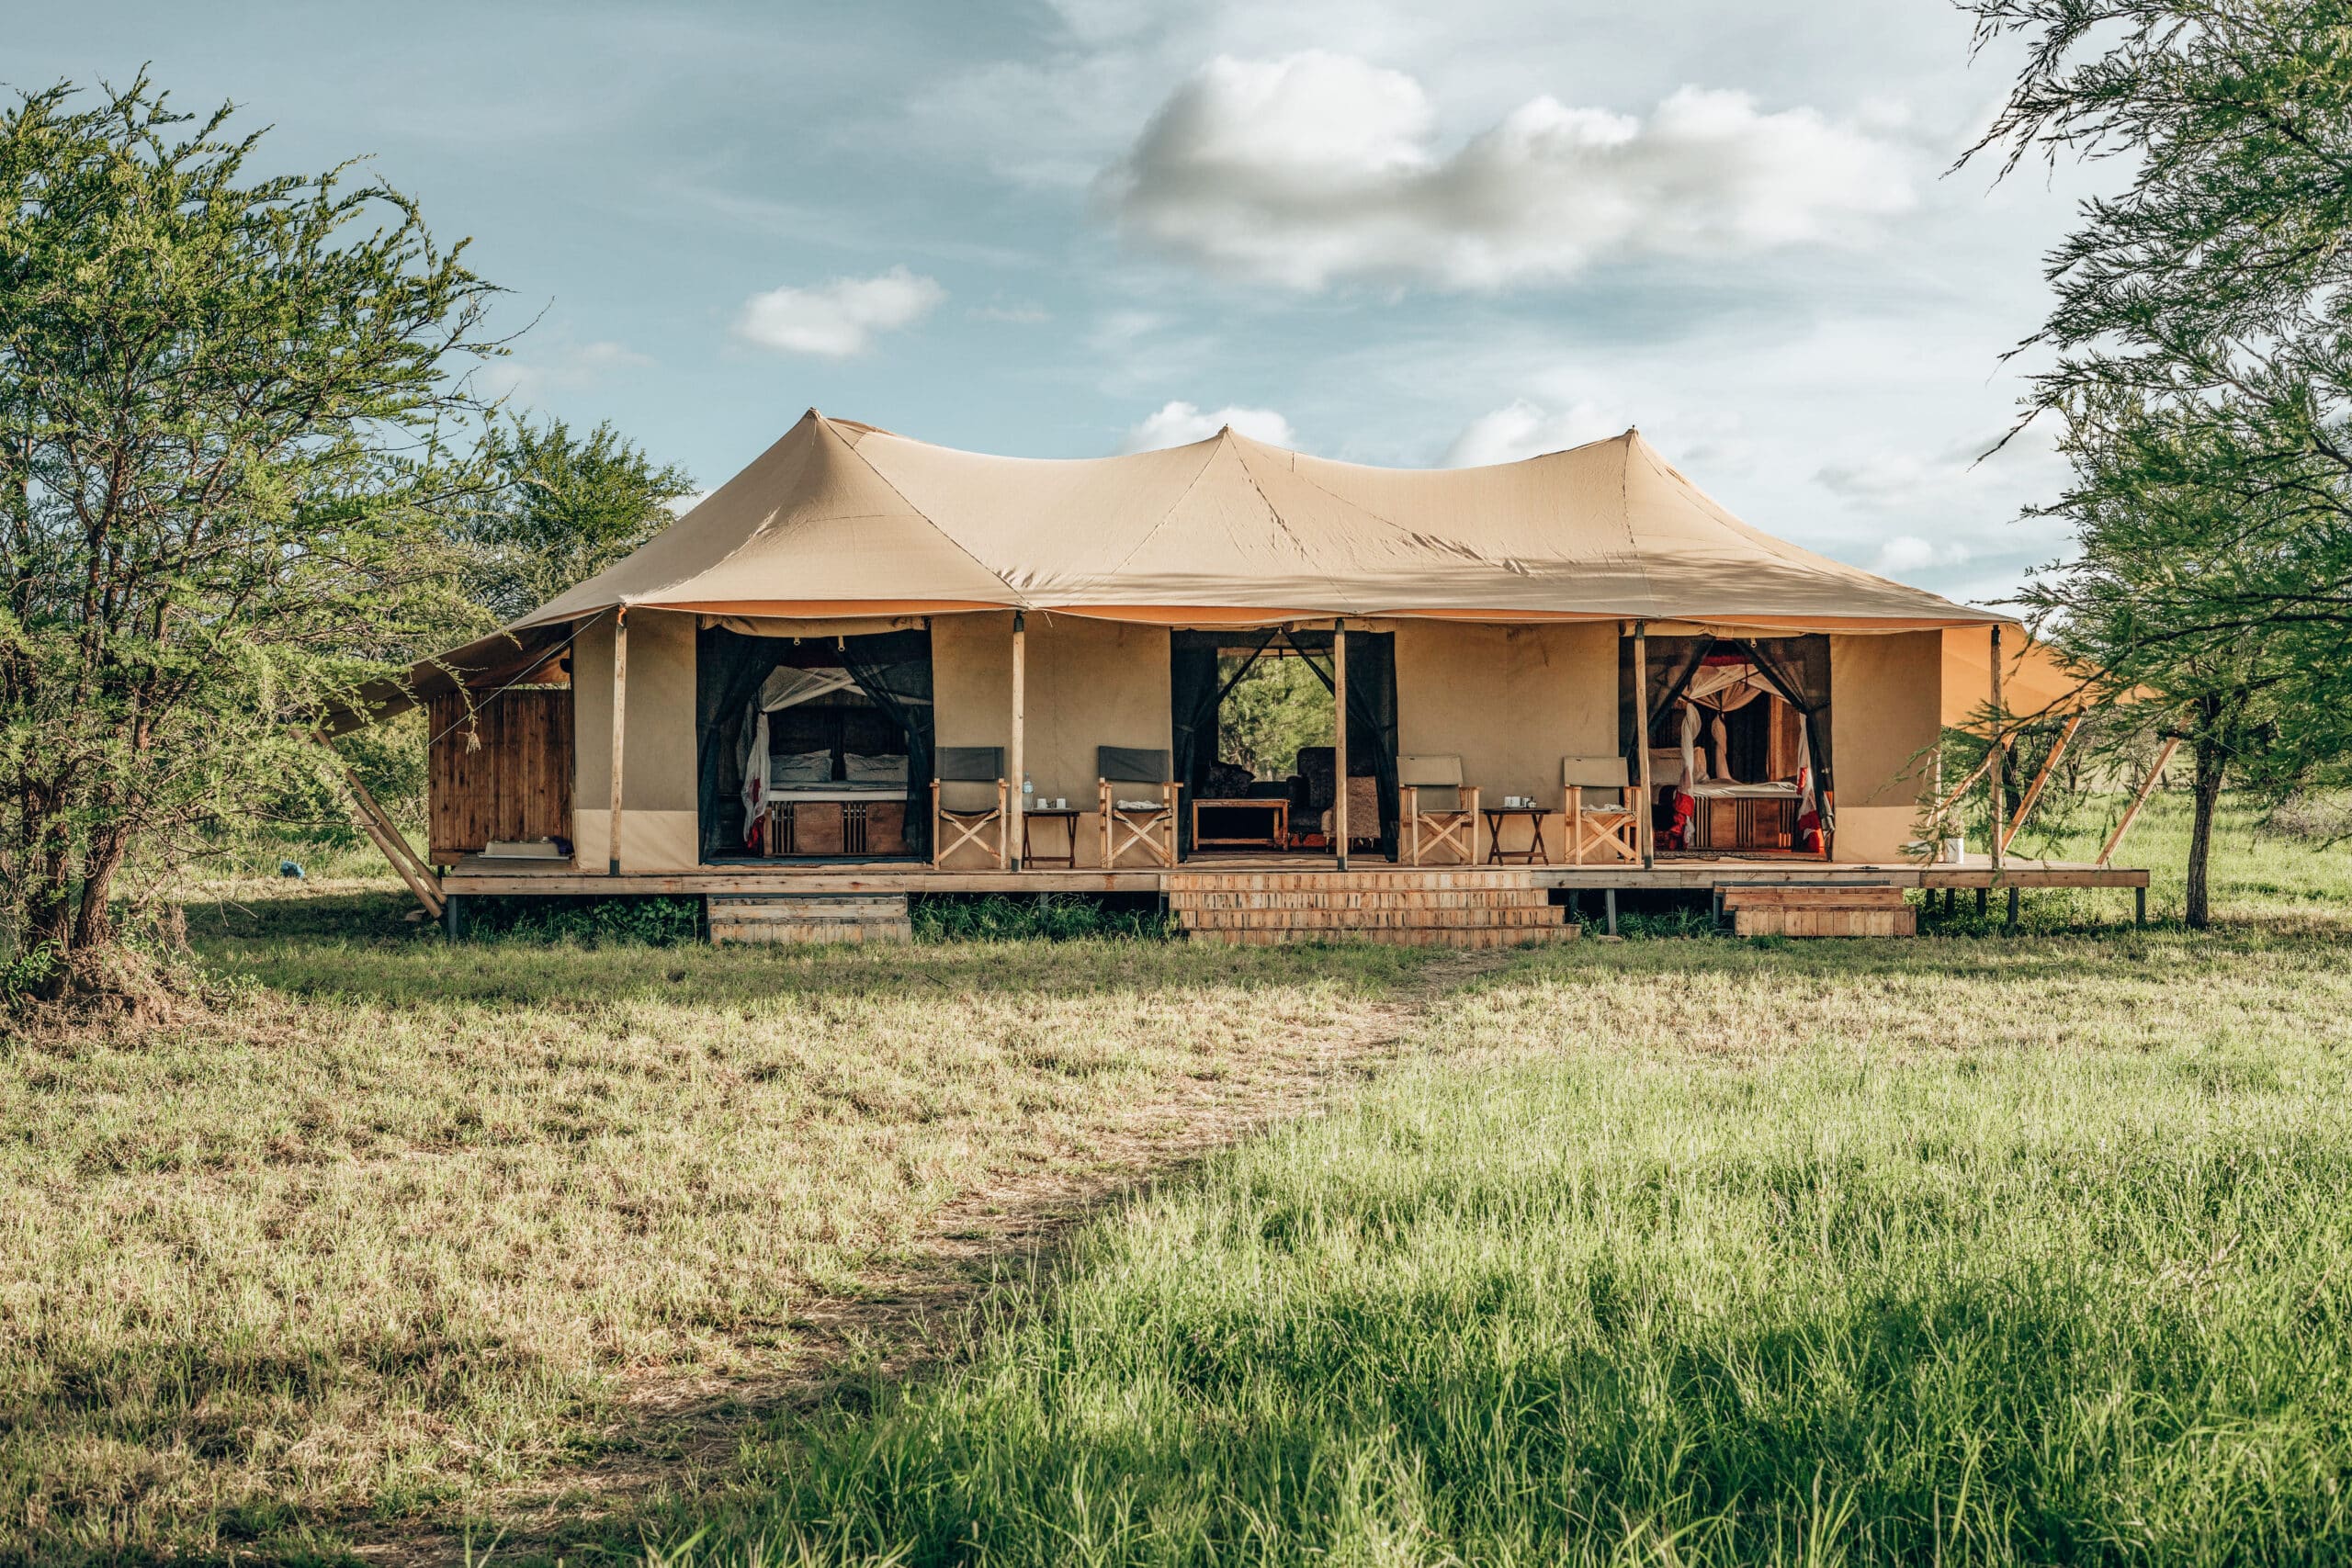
1394, 233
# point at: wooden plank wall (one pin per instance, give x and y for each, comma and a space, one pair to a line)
516, 786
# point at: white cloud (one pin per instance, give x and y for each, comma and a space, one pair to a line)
680, 505
1908, 553
1318, 166
1180, 423
838, 319
563, 367
1013, 315
1519, 429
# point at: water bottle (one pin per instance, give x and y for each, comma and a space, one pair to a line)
1028, 790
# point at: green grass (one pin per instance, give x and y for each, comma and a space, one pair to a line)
404, 1227
1980, 1247
1950, 1251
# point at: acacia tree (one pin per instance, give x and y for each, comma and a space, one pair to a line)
562, 508
223, 485
2202, 364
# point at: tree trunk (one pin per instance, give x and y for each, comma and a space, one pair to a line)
2205, 794
94, 922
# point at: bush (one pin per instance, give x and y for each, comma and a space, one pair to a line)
1047, 917
646, 920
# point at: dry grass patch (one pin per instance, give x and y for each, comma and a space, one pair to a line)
403, 1227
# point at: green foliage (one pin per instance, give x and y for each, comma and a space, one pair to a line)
2203, 371
1045, 917
1277, 707
226, 412
563, 508
629, 919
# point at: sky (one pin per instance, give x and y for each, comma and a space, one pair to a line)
1408, 235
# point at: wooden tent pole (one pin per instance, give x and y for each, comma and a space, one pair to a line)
621, 729
1645, 827
1017, 772
1340, 739
1999, 747
1960, 789
2041, 777
2147, 787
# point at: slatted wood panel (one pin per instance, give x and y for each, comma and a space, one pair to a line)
516, 786
1428, 908
1820, 911
819, 917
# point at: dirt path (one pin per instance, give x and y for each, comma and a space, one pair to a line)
683, 1433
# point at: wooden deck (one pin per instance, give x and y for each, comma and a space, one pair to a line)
475, 876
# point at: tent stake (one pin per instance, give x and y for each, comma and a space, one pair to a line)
2147, 787
620, 722
1017, 777
1339, 738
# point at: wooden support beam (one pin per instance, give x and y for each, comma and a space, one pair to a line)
1644, 812
2138, 799
1340, 739
2041, 777
1017, 771
376, 825
1994, 758
620, 730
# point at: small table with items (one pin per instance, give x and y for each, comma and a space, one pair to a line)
1068, 816
1534, 853
1275, 807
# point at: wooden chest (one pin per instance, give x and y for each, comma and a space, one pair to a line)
837, 828
1737, 822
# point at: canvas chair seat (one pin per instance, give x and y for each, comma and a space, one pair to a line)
1437, 811
986, 824
1131, 821
1595, 823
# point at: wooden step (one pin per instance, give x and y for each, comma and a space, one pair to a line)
1365, 919
1825, 922
809, 917
1378, 898
1395, 936
1860, 896
1429, 879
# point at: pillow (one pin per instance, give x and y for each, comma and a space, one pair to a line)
800, 767
875, 770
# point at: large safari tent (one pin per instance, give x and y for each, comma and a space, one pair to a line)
761, 698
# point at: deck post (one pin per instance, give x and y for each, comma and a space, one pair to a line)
620, 724
1017, 772
1999, 746
1340, 739
1609, 898
2013, 907
2138, 799
2139, 906
1645, 813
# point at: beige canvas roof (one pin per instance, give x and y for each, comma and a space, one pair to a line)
840, 521
839, 518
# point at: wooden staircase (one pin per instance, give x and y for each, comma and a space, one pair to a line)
1462, 907
809, 917
1855, 909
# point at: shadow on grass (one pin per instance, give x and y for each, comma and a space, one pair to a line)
359, 946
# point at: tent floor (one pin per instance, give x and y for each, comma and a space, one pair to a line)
476, 876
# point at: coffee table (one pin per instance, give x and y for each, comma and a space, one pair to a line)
1533, 854
1277, 810
1068, 816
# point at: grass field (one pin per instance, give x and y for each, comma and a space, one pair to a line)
1973, 1249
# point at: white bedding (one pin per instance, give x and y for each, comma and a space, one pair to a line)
1725, 789
836, 790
